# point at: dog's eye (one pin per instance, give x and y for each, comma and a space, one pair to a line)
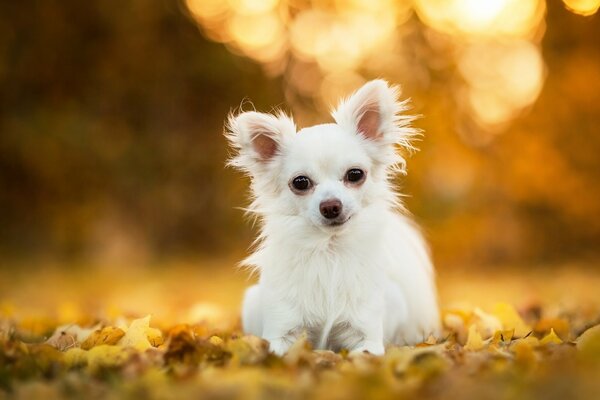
355, 175
301, 183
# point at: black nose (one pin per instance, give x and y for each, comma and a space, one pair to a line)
331, 208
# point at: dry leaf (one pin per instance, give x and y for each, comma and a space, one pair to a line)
106, 335
588, 344
510, 319
474, 340
561, 326
106, 356
487, 324
137, 334
551, 338
75, 357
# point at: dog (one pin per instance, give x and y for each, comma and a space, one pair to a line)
338, 258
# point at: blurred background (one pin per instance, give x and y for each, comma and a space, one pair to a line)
111, 121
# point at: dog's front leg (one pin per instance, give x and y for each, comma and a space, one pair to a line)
371, 326
280, 328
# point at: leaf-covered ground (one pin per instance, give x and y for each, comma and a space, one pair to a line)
512, 335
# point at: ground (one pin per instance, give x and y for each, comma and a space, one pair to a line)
172, 331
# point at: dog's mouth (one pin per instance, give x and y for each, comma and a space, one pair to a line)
336, 222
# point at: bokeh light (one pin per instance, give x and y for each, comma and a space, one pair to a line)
128, 104
502, 79
512, 18
326, 48
583, 7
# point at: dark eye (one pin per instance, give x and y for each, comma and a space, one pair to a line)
355, 175
301, 183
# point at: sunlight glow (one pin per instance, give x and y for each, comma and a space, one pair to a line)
206, 9
515, 18
255, 31
252, 6
325, 48
502, 79
583, 7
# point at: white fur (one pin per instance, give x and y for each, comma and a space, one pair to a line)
362, 285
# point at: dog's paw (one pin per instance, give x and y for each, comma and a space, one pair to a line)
374, 348
279, 346
418, 334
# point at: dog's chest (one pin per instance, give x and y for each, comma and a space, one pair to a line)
332, 287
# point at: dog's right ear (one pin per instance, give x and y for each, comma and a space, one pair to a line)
257, 138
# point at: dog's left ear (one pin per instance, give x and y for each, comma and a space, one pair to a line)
374, 112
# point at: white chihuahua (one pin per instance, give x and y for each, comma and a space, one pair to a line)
337, 261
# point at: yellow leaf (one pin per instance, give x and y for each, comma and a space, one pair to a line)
106, 335
487, 324
474, 340
155, 337
551, 338
510, 319
216, 341
75, 357
560, 326
588, 343
137, 334
106, 356
503, 336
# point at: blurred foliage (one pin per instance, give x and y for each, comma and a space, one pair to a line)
111, 116
496, 355
85, 333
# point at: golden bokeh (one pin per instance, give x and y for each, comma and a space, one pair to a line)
502, 79
326, 48
206, 9
491, 18
583, 7
508, 91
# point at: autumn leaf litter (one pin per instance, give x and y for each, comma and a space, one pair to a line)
499, 353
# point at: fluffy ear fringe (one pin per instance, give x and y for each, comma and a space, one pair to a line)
395, 130
249, 131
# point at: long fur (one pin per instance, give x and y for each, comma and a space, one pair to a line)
362, 285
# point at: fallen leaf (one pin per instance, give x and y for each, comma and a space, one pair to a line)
62, 340
474, 340
75, 357
487, 324
155, 336
588, 344
510, 319
68, 336
106, 356
503, 336
137, 334
560, 326
551, 338
106, 335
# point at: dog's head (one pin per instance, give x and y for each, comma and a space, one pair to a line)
325, 175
